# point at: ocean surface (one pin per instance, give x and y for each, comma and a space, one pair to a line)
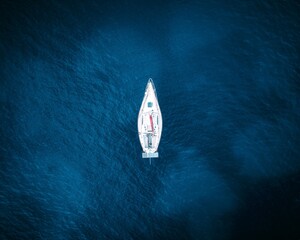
72, 79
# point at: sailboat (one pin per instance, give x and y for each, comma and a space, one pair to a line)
150, 122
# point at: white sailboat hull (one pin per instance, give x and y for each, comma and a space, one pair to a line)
150, 122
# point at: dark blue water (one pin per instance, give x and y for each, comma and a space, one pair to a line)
73, 75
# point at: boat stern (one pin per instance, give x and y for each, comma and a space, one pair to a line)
150, 155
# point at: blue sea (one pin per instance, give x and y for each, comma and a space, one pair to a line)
72, 80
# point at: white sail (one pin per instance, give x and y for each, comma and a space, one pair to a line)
150, 122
